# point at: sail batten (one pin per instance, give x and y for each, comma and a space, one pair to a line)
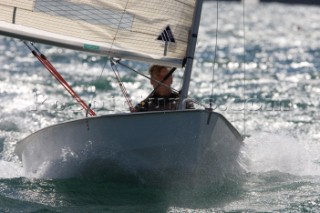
127, 29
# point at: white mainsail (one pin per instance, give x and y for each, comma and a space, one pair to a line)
146, 30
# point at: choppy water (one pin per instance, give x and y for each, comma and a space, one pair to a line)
281, 121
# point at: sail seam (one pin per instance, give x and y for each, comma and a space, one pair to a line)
119, 24
182, 2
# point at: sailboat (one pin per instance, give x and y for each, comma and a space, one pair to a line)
182, 144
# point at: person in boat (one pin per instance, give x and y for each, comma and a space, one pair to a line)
162, 97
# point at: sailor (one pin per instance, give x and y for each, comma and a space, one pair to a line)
162, 97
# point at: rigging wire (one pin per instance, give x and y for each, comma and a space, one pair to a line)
244, 62
103, 68
163, 80
160, 83
215, 55
244, 68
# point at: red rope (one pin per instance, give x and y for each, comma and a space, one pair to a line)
63, 82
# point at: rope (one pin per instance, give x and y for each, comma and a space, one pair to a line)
123, 89
46, 63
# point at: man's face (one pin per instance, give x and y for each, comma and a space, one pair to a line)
159, 76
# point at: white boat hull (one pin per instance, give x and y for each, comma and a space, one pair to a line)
168, 145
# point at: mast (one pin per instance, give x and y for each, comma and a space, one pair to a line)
190, 52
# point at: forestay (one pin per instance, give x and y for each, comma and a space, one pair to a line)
146, 30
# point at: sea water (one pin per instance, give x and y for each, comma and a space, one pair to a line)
269, 92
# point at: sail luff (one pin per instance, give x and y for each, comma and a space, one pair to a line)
190, 53
117, 28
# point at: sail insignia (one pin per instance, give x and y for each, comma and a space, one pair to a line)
167, 36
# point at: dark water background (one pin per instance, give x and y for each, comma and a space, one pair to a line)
280, 83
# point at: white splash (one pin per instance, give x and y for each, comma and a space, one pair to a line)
281, 152
68, 165
10, 170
